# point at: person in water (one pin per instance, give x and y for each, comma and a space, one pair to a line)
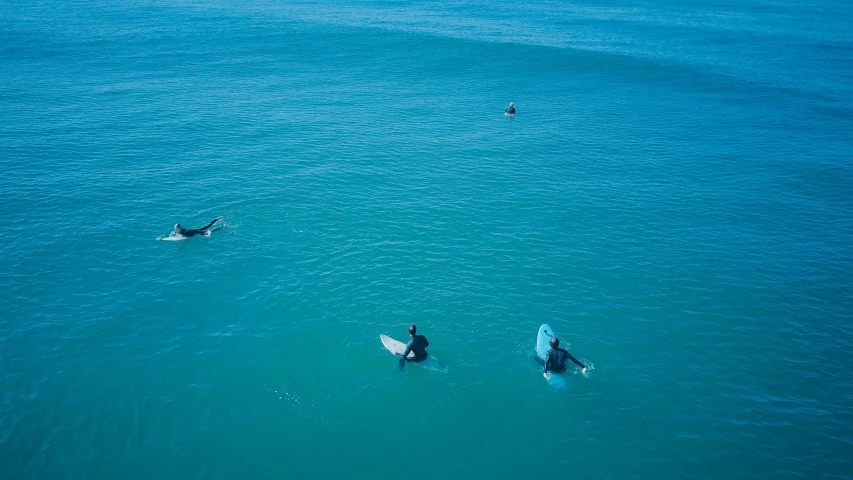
192, 232
417, 344
510, 110
555, 361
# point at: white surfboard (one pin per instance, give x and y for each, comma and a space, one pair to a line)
543, 339
397, 348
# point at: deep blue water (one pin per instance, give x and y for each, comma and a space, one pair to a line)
674, 197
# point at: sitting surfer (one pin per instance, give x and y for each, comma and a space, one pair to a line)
510, 110
192, 232
555, 361
417, 344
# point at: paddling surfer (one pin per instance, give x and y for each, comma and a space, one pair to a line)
556, 359
192, 232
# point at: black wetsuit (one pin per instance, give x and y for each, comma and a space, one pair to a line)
192, 232
555, 361
417, 344
510, 110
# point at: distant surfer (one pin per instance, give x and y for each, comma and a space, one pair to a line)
417, 344
510, 110
555, 361
192, 232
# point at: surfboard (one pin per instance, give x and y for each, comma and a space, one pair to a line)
397, 348
543, 339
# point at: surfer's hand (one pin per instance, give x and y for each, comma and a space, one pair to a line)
583, 371
547, 377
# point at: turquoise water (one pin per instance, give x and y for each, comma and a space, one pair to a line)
674, 197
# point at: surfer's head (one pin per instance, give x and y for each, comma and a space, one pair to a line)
177, 228
413, 329
511, 104
555, 342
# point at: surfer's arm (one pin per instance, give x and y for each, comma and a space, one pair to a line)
210, 224
547, 362
577, 362
406, 353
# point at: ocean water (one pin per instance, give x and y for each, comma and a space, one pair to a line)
674, 197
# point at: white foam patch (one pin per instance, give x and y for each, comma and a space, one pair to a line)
172, 237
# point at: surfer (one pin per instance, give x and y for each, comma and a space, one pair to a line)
417, 344
195, 231
556, 359
510, 110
